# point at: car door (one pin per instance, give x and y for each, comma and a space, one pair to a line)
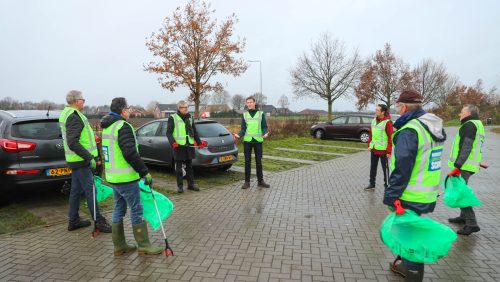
354, 124
337, 127
146, 137
163, 150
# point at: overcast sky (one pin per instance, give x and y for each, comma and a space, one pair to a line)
49, 47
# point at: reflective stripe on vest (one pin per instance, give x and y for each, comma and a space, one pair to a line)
424, 180
474, 159
117, 169
254, 127
87, 139
379, 136
180, 133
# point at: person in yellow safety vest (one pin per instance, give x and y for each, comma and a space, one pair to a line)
254, 131
80, 150
379, 144
183, 138
124, 169
415, 167
465, 158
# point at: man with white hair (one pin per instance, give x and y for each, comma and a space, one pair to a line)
182, 136
80, 151
465, 159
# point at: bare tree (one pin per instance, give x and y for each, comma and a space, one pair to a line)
205, 99
220, 97
446, 89
193, 48
283, 102
328, 72
238, 102
383, 76
9, 103
150, 108
260, 99
429, 78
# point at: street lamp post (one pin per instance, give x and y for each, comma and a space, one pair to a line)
260, 70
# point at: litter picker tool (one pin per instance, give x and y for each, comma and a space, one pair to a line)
167, 246
96, 230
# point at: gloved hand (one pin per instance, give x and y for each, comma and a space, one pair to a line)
399, 208
204, 144
175, 145
148, 179
93, 164
454, 172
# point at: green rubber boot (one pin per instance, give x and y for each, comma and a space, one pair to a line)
118, 235
141, 236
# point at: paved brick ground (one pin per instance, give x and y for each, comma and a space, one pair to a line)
314, 224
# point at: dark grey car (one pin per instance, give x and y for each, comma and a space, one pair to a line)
31, 149
155, 148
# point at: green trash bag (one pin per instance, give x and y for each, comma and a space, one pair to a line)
415, 238
102, 190
165, 206
457, 194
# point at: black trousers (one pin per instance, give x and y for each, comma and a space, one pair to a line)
374, 165
257, 147
189, 173
468, 213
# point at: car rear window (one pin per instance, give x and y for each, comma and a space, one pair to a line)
212, 129
39, 130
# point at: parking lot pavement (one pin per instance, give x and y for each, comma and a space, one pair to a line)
315, 223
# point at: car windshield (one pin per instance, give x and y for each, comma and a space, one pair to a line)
211, 129
39, 130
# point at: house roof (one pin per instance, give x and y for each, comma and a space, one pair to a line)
268, 108
103, 109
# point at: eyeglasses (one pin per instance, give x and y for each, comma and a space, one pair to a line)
81, 100
183, 107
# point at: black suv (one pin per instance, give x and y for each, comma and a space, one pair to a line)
31, 149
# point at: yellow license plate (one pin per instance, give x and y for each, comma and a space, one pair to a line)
59, 171
226, 158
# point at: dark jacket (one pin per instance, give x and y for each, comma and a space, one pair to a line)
74, 127
182, 153
263, 125
127, 143
405, 151
467, 136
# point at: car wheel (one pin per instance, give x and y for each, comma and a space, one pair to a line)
364, 136
224, 167
319, 134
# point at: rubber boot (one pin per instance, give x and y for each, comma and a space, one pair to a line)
141, 236
398, 267
415, 275
118, 235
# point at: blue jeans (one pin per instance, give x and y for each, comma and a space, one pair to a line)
127, 194
82, 181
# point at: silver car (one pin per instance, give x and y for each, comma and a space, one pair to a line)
221, 152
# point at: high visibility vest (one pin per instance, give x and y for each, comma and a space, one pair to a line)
117, 169
254, 127
180, 133
379, 136
476, 155
87, 139
424, 180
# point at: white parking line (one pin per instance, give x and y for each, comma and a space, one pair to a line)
308, 151
333, 146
